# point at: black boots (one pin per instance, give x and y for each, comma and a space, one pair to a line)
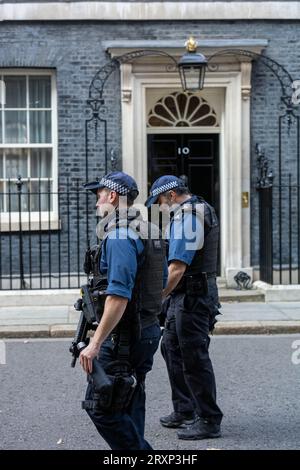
201, 429
178, 420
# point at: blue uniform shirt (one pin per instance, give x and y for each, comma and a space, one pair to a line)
119, 260
186, 236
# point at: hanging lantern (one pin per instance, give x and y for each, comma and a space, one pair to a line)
192, 67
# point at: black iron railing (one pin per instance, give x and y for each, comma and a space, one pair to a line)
279, 231
44, 232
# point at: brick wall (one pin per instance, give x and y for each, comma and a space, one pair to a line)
75, 51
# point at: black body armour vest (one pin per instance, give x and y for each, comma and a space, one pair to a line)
205, 259
147, 291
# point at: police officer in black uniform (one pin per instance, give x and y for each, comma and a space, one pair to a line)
191, 304
129, 327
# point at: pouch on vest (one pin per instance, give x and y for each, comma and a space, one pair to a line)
90, 258
98, 293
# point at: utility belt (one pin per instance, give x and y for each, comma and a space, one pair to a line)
194, 284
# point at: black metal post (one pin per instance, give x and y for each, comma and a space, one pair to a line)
29, 232
59, 236
280, 197
290, 228
19, 184
10, 234
266, 235
78, 229
48, 205
68, 231
40, 235
264, 186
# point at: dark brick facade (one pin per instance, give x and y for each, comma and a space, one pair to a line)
74, 50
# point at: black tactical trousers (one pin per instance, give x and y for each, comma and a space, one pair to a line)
184, 347
124, 430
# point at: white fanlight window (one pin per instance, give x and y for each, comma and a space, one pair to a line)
180, 109
28, 141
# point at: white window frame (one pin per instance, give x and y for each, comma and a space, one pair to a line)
37, 220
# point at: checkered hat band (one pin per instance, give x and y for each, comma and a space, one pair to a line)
114, 186
164, 188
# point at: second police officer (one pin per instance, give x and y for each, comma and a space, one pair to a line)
191, 302
128, 258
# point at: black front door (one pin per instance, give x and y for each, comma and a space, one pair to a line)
193, 156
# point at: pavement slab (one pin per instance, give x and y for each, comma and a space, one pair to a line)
236, 318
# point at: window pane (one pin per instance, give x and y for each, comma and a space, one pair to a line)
41, 196
15, 127
16, 203
16, 163
15, 91
39, 92
11, 197
0, 126
41, 163
40, 127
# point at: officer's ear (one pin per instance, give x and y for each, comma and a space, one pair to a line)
172, 195
113, 197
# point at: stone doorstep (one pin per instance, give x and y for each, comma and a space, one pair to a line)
279, 293
222, 328
235, 295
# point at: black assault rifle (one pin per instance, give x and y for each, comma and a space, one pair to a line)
89, 317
